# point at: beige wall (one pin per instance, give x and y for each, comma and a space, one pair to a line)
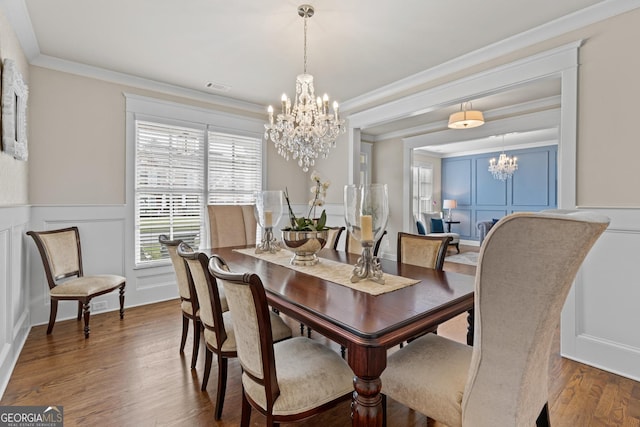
78, 145
13, 173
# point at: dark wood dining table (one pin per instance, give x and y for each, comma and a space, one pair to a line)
367, 325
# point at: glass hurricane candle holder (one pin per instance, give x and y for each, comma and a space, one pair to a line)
268, 211
366, 209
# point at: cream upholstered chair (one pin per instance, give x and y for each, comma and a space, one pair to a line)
286, 381
62, 260
526, 267
353, 245
219, 331
232, 225
188, 297
334, 237
427, 218
423, 251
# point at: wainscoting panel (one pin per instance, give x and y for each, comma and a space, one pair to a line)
14, 292
600, 318
103, 235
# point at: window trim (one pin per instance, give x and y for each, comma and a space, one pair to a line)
172, 113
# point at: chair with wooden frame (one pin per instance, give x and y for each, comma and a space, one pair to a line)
526, 267
188, 298
353, 246
334, 237
421, 250
232, 225
62, 259
292, 392
219, 330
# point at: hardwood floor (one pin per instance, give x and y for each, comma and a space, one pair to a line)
129, 373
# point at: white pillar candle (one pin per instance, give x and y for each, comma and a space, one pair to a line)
268, 218
366, 225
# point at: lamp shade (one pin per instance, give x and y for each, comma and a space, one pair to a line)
449, 204
466, 119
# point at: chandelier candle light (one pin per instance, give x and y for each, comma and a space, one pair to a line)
306, 129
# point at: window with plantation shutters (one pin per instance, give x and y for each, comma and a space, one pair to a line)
170, 187
235, 168
178, 171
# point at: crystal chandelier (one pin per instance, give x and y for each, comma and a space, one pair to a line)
305, 129
504, 168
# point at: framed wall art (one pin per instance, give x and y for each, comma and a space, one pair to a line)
14, 111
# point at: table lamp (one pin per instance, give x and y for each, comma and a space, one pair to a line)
449, 204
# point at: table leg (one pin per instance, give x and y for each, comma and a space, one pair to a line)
367, 364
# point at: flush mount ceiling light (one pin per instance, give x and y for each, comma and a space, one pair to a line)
466, 118
305, 129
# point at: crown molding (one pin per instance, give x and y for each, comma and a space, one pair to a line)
18, 15
587, 16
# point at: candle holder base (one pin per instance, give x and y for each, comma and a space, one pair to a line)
368, 266
268, 243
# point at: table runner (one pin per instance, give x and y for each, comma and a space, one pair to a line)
333, 271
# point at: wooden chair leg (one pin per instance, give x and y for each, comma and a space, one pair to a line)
122, 301
185, 330
222, 386
245, 418
79, 310
543, 418
207, 368
87, 314
470, 327
52, 315
196, 342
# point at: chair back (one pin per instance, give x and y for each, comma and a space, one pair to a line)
251, 322
353, 245
333, 238
207, 292
60, 252
232, 225
182, 274
423, 251
426, 220
525, 269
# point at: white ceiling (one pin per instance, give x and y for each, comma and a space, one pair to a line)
254, 49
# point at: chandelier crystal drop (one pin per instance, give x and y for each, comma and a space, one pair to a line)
306, 129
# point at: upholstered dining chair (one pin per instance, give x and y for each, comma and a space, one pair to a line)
353, 245
188, 298
62, 259
286, 381
334, 237
423, 251
526, 267
219, 329
232, 225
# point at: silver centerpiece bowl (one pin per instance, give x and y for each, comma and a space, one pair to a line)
305, 245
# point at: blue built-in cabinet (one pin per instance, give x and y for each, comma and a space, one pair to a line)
480, 197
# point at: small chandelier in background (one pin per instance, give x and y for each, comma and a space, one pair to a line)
504, 168
305, 129
466, 118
